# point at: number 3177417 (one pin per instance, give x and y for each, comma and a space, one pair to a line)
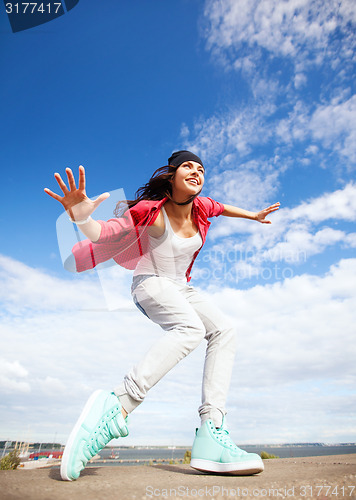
32, 7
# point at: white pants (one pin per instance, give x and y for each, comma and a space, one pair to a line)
187, 318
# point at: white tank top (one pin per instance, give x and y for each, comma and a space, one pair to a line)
169, 255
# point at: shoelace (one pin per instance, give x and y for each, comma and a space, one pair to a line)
101, 437
224, 437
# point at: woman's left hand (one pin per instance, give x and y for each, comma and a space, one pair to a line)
261, 216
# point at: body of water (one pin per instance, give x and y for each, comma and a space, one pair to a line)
134, 456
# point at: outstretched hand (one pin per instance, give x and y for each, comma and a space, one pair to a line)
261, 216
74, 200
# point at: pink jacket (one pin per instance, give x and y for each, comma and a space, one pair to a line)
125, 239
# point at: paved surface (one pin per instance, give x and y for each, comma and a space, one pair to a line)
330, 477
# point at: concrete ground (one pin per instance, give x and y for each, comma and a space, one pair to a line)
328, 477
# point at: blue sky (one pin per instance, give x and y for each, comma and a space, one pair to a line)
264, 92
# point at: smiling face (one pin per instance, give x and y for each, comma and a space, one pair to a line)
188, 180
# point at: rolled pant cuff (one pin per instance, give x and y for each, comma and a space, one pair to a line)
213, 414
127, 402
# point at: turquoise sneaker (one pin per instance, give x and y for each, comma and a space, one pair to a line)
214, 451
100, 422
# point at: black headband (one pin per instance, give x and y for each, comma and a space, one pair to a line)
180, 157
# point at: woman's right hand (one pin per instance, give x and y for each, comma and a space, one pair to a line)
74, 200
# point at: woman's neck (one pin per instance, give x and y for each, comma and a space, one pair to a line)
178, 211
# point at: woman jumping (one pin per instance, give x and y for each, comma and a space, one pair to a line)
159, 236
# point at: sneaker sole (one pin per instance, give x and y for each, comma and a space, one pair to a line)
69, 445
236, 468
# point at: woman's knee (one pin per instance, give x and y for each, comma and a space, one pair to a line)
224, 334
190, 336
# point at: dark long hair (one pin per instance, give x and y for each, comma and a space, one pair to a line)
158, 187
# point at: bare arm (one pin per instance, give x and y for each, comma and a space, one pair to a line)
231, 211
76, 203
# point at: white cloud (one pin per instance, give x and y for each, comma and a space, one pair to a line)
335, 126
236, 131
301, 245
24, 287
242, 250
12, 375
249, 35
312, 149
51, 385
224, 142
340, 204
250, 185
12, 369
295, 126
296, 29
66, 343
299, 319
300, 80
337, 205
293, 340
332, 125
348, 11
350, 240
292, 335
248, 148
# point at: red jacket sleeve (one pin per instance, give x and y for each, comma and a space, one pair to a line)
117, 235
113, 229
211, 207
